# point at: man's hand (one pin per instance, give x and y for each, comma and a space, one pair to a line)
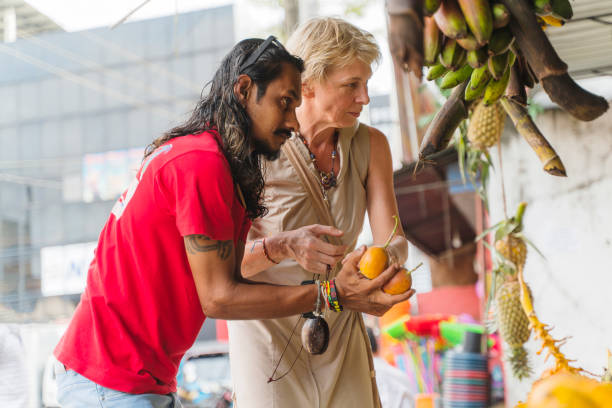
306, 246
358, 293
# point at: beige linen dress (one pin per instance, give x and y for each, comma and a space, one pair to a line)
343, 375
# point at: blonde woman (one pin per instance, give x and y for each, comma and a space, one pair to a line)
351, 166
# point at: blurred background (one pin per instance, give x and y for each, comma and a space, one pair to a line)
85, 85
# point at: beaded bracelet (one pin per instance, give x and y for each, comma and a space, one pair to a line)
332, 296
263, 243
324, 294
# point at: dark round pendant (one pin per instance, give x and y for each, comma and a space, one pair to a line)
315, 335
328, 180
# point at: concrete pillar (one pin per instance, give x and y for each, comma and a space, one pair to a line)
10, 25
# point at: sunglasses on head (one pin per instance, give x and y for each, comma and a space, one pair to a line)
260, 50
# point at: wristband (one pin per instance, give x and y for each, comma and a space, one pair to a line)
332, 295
308, 315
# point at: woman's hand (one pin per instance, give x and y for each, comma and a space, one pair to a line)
308, 248
358, 293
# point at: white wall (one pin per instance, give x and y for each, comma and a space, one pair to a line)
570, 221
39, 340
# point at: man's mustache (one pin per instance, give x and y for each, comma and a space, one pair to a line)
286, 133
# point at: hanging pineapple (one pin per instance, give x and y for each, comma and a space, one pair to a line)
510, 317
509, 241
486, 125
513, 248
513, 326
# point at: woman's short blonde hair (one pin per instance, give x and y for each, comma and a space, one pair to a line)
328, 42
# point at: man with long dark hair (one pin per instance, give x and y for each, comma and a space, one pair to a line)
170, 252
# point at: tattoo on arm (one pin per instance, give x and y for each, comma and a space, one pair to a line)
201, 243
255, 243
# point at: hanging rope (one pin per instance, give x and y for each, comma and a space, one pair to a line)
283, 353
503, 186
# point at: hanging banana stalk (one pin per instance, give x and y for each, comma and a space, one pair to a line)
548, 67
515, 89
530, 132
446, 121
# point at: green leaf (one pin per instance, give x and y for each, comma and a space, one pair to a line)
505, 229
485, 232
461, 153
500, 261
523, 237
484, 197
534, 109
490, 296
497, 257
488, 159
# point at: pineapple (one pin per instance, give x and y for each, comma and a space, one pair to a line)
513, 248
502, 275
486, 125
513, 326
499, 277
509, 241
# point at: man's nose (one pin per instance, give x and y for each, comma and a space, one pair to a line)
291, 122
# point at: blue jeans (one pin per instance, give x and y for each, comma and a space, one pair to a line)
76, 391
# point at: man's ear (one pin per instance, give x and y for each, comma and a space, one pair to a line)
307, 90
242, 88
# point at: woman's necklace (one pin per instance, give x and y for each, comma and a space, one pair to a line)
328, 180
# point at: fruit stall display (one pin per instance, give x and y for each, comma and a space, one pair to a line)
488, 54
421, 345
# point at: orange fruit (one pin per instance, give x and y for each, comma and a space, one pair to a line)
399, 283
373, 262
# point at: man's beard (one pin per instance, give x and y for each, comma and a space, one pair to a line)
262, 148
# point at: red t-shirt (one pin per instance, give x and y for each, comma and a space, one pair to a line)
140, 310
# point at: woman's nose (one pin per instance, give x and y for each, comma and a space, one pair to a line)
363, 97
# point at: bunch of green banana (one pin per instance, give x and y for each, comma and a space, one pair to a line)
456, 34
469, 45
476, 31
